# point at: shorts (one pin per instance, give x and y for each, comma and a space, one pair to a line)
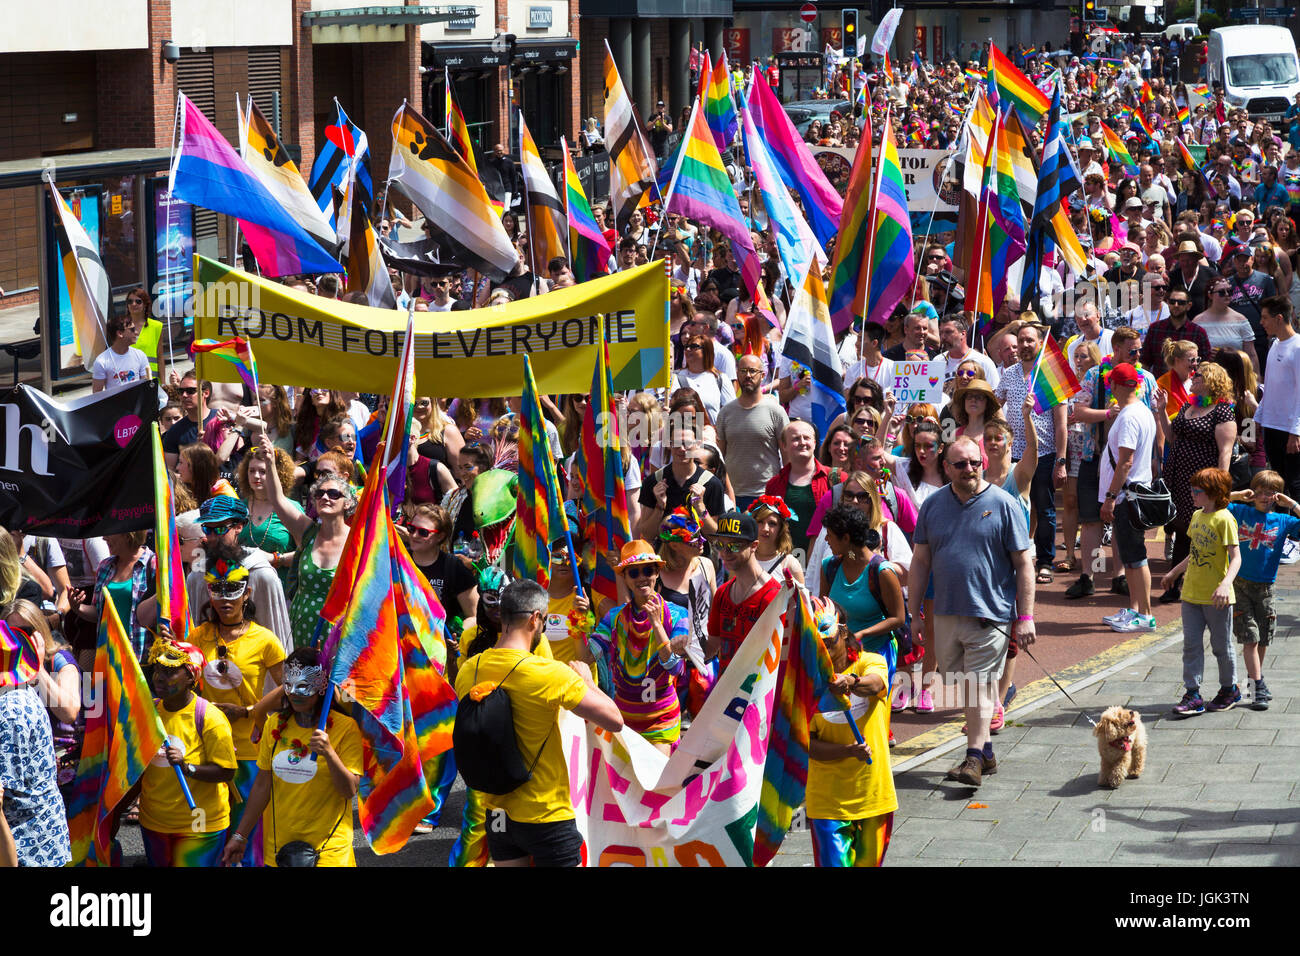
962, 645
1253, 616
183, 849
549, 844
851, 842
1131, 543
1089, 484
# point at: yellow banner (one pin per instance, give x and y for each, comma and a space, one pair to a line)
302, 339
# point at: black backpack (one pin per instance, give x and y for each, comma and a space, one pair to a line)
487, 752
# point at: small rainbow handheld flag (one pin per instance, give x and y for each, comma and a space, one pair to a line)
1117, 151
889, 72
237, 352
173, 601
1147, 95
1186, 155
541, 506
973, 76
1184, 115
1054, 381
1142, 123
1200, 89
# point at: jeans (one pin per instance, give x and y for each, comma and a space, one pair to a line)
1042, 497
1280, 460
1196, 618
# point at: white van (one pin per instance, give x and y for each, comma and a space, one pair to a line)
1182, 32
1257, 67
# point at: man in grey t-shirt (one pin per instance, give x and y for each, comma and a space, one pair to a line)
972, 536
749, 433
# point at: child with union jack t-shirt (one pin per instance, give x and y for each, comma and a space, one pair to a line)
1263, 533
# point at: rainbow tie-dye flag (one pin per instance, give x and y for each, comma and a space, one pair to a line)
808, 675
1054, 381
237, 352
123, 733
539, 489
589, 251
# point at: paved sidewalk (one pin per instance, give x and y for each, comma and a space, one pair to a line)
1222, 789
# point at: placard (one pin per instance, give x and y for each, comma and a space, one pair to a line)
918, 382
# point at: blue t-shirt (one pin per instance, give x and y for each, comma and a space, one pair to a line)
860, 606
1262, 538
971, 546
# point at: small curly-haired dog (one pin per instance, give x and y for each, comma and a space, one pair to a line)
1122, 744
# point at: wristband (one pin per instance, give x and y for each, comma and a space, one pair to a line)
1025, 617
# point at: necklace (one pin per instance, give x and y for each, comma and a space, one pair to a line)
260, 543
632, 637
1205, 401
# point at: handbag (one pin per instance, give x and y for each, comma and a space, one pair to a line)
1150, 504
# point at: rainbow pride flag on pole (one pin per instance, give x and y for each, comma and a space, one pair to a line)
1117, 151
173, 600
1184, 116
589, 251
890, 268
599, 460
808, 675
719, 108
1144, 125
539, 489
849, 272
386, 649
1054, 381
123, 733
237, 352
1014, 87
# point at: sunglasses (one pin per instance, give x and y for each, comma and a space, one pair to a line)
962, 464
559, 559
188, 391
641, 571
135, 301
969, 373
222, 652
857, 497
695, 348
423, 404
917, 419
333, 494
219, 529
420, 533
733, 547
1174, 302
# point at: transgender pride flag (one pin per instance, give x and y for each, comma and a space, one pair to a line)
207, 172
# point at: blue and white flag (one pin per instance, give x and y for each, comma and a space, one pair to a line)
810, 342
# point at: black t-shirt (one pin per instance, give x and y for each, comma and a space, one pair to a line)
1197, 290
184, 432
435, 450
449, 578
676, 496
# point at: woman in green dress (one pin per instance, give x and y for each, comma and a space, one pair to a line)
319, 543
265, 530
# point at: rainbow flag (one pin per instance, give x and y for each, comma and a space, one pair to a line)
701, 190
719, 109
386, 643
1116, 150
889, 72
1186, 155
209, 173
849, 264
973, 75
589, 251
808, 674
173, 600
914, 136
1142, 123
1014, 87
539, 489
1200, 89
1054, 381
398, 418
237, 352
891, 267
1184, 115
123, 733
601, 464
1147, 96
917, 65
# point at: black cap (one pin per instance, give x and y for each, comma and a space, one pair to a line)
738, 526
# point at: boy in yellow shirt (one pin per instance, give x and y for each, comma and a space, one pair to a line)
850, 799
199, 741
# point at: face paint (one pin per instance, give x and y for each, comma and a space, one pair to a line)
303, 681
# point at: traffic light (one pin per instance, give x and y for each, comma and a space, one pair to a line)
849, 31
1093, 13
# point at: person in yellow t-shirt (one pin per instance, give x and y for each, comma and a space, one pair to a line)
299, 799
535, 824
240, 655
200, 743
568, 615
1211, 566
850, 798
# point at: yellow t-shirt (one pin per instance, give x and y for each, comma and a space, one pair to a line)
850, 789
306, 803
248, 658
538, 690
1210, 535
162, 804
543, 648
559, 629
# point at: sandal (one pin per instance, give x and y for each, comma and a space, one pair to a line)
1044, 575
1063, 566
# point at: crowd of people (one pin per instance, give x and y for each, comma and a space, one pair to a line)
922, 532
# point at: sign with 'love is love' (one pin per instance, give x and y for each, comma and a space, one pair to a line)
918, 382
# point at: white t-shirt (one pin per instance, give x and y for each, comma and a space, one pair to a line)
435, 307
118, 371
714, 389
882, 373
1280, 406
1134, 427
1103, 345
1141, 319
991, 373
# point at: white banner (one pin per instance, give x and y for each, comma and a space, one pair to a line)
930, 181
637, 807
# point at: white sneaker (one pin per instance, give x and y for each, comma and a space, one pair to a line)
1290, 551
1119, 618
1137, 622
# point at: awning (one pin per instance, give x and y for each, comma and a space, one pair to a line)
379, 24
492, 53
89, 165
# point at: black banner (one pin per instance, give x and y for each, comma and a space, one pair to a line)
77, 469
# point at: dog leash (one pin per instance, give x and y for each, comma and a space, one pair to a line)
1048, 673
